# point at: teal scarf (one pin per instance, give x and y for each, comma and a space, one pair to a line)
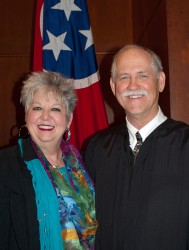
66, 211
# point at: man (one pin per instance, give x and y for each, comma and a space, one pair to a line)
142, 191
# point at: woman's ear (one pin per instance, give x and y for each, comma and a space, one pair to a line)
70, 120
26, 117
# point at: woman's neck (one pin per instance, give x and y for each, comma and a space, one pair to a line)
53, 155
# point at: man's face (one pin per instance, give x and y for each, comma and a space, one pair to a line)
136, 85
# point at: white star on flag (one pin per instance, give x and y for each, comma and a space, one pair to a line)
67, 6
89, 36
56, 44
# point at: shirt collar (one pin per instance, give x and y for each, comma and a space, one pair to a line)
146, 130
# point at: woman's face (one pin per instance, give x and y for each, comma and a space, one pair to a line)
46, 119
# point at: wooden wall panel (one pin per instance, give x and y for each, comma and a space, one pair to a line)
115, 112
16, 19
12, 115
150, 30
111, 23
144, 13
178, 40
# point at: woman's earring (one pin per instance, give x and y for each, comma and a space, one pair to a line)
67, 134
23, 132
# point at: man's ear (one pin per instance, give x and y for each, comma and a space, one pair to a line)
112, 84
161, 81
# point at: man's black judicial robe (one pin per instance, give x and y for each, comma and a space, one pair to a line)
145, 206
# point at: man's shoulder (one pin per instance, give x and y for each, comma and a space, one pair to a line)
174, 125
171, 128
110, 136
112, 131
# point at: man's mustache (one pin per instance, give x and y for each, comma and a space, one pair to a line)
135, 92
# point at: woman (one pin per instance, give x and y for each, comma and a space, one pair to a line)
46, 196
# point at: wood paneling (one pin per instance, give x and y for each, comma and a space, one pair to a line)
111, 23
12, 114
115, 112
178, 41
16, 19
150, 30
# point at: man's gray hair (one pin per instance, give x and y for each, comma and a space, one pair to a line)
156, 61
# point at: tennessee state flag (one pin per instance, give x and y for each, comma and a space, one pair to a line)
63, 43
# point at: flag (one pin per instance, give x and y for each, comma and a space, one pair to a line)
63, 43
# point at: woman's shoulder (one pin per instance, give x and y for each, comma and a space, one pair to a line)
9, 158
9, 165
8, 151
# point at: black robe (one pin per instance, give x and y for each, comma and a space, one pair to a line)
145, 206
